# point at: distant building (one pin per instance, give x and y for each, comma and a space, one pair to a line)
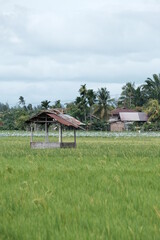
121, 118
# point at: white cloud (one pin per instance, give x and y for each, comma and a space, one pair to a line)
52, 91
74, 42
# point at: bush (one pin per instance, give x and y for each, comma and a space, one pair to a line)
154, 126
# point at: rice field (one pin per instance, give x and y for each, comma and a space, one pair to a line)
106, 188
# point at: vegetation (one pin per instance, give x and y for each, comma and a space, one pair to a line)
92, 108
107, 189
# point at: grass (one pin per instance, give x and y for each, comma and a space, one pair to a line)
107, 188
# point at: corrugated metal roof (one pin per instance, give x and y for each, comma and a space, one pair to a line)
61, 119
113, 119
118, 110
133, 116
56, 116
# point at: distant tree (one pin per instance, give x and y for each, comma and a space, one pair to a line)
29, 107
8, 119
103, 107
153, 110
75, 111
4, 107
139, 98
20, 121
127, 95
91, 99
83, 91
57, 104
81, 108
45, 104
21, 101
81, 101
151, 88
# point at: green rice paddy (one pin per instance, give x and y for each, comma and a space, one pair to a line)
106, 188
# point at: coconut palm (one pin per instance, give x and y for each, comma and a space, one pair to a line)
45, 104
151, 88
83, 90
81, 101
91, 99
153, 110
127, 95
21, 101
102, 108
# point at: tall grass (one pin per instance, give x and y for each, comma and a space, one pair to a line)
107, 188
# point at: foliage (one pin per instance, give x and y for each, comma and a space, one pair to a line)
45, 104
151, 88
102, 107
14, 118
153, 111
74, 109
4, 107
152, 126
57, 104
89, 104
99, 125
131, 97
139, 97
82, 107
21, 101
127, 95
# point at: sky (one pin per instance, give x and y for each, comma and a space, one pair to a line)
48, 49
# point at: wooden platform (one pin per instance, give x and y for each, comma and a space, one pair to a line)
45, 145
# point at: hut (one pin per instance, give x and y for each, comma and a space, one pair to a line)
54, 116
122, 118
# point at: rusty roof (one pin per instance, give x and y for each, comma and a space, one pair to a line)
55, 116
133, 116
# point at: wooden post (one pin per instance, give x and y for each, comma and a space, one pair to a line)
31, 134
60, 133
46, 131
75, 137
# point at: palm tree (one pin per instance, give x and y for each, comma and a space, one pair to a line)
57, 104
82, 101
45, 104
153, 110
151, 88
91, 98
127, 95
21, 101
83, 90
139, 98
102, 108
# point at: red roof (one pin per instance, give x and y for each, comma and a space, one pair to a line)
55, 116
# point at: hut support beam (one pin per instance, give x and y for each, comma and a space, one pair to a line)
31, 134
75, 137
60, 133
46, 132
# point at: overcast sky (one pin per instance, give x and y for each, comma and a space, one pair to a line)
49, 48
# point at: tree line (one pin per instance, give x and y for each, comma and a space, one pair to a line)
92, 107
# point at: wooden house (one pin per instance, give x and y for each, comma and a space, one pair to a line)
121, 118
